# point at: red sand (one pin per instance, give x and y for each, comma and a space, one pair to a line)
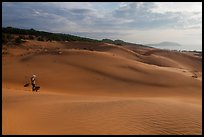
103, 89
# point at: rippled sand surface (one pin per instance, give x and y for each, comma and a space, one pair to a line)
107, 90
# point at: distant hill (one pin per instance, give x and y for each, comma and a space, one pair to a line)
40, 35
9, 32
16, 35
117, 42
165, 44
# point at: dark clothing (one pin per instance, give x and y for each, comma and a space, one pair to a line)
33, 83
33, 87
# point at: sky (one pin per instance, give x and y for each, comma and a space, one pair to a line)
136, 22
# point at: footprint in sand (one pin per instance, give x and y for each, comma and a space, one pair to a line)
195, 76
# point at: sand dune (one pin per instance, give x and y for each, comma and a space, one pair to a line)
90, 88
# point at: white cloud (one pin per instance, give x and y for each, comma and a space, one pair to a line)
162, 7
72, 5
123, 4
134, 22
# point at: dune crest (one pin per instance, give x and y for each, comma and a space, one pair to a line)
100, 88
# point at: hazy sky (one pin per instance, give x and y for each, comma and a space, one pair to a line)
138, 22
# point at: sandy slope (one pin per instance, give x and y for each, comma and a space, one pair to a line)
91, 88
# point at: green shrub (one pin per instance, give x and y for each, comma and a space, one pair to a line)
30, 37
40, 39
9, 37
18, 40
4, 39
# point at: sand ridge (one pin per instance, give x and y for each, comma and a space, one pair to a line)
90, 88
